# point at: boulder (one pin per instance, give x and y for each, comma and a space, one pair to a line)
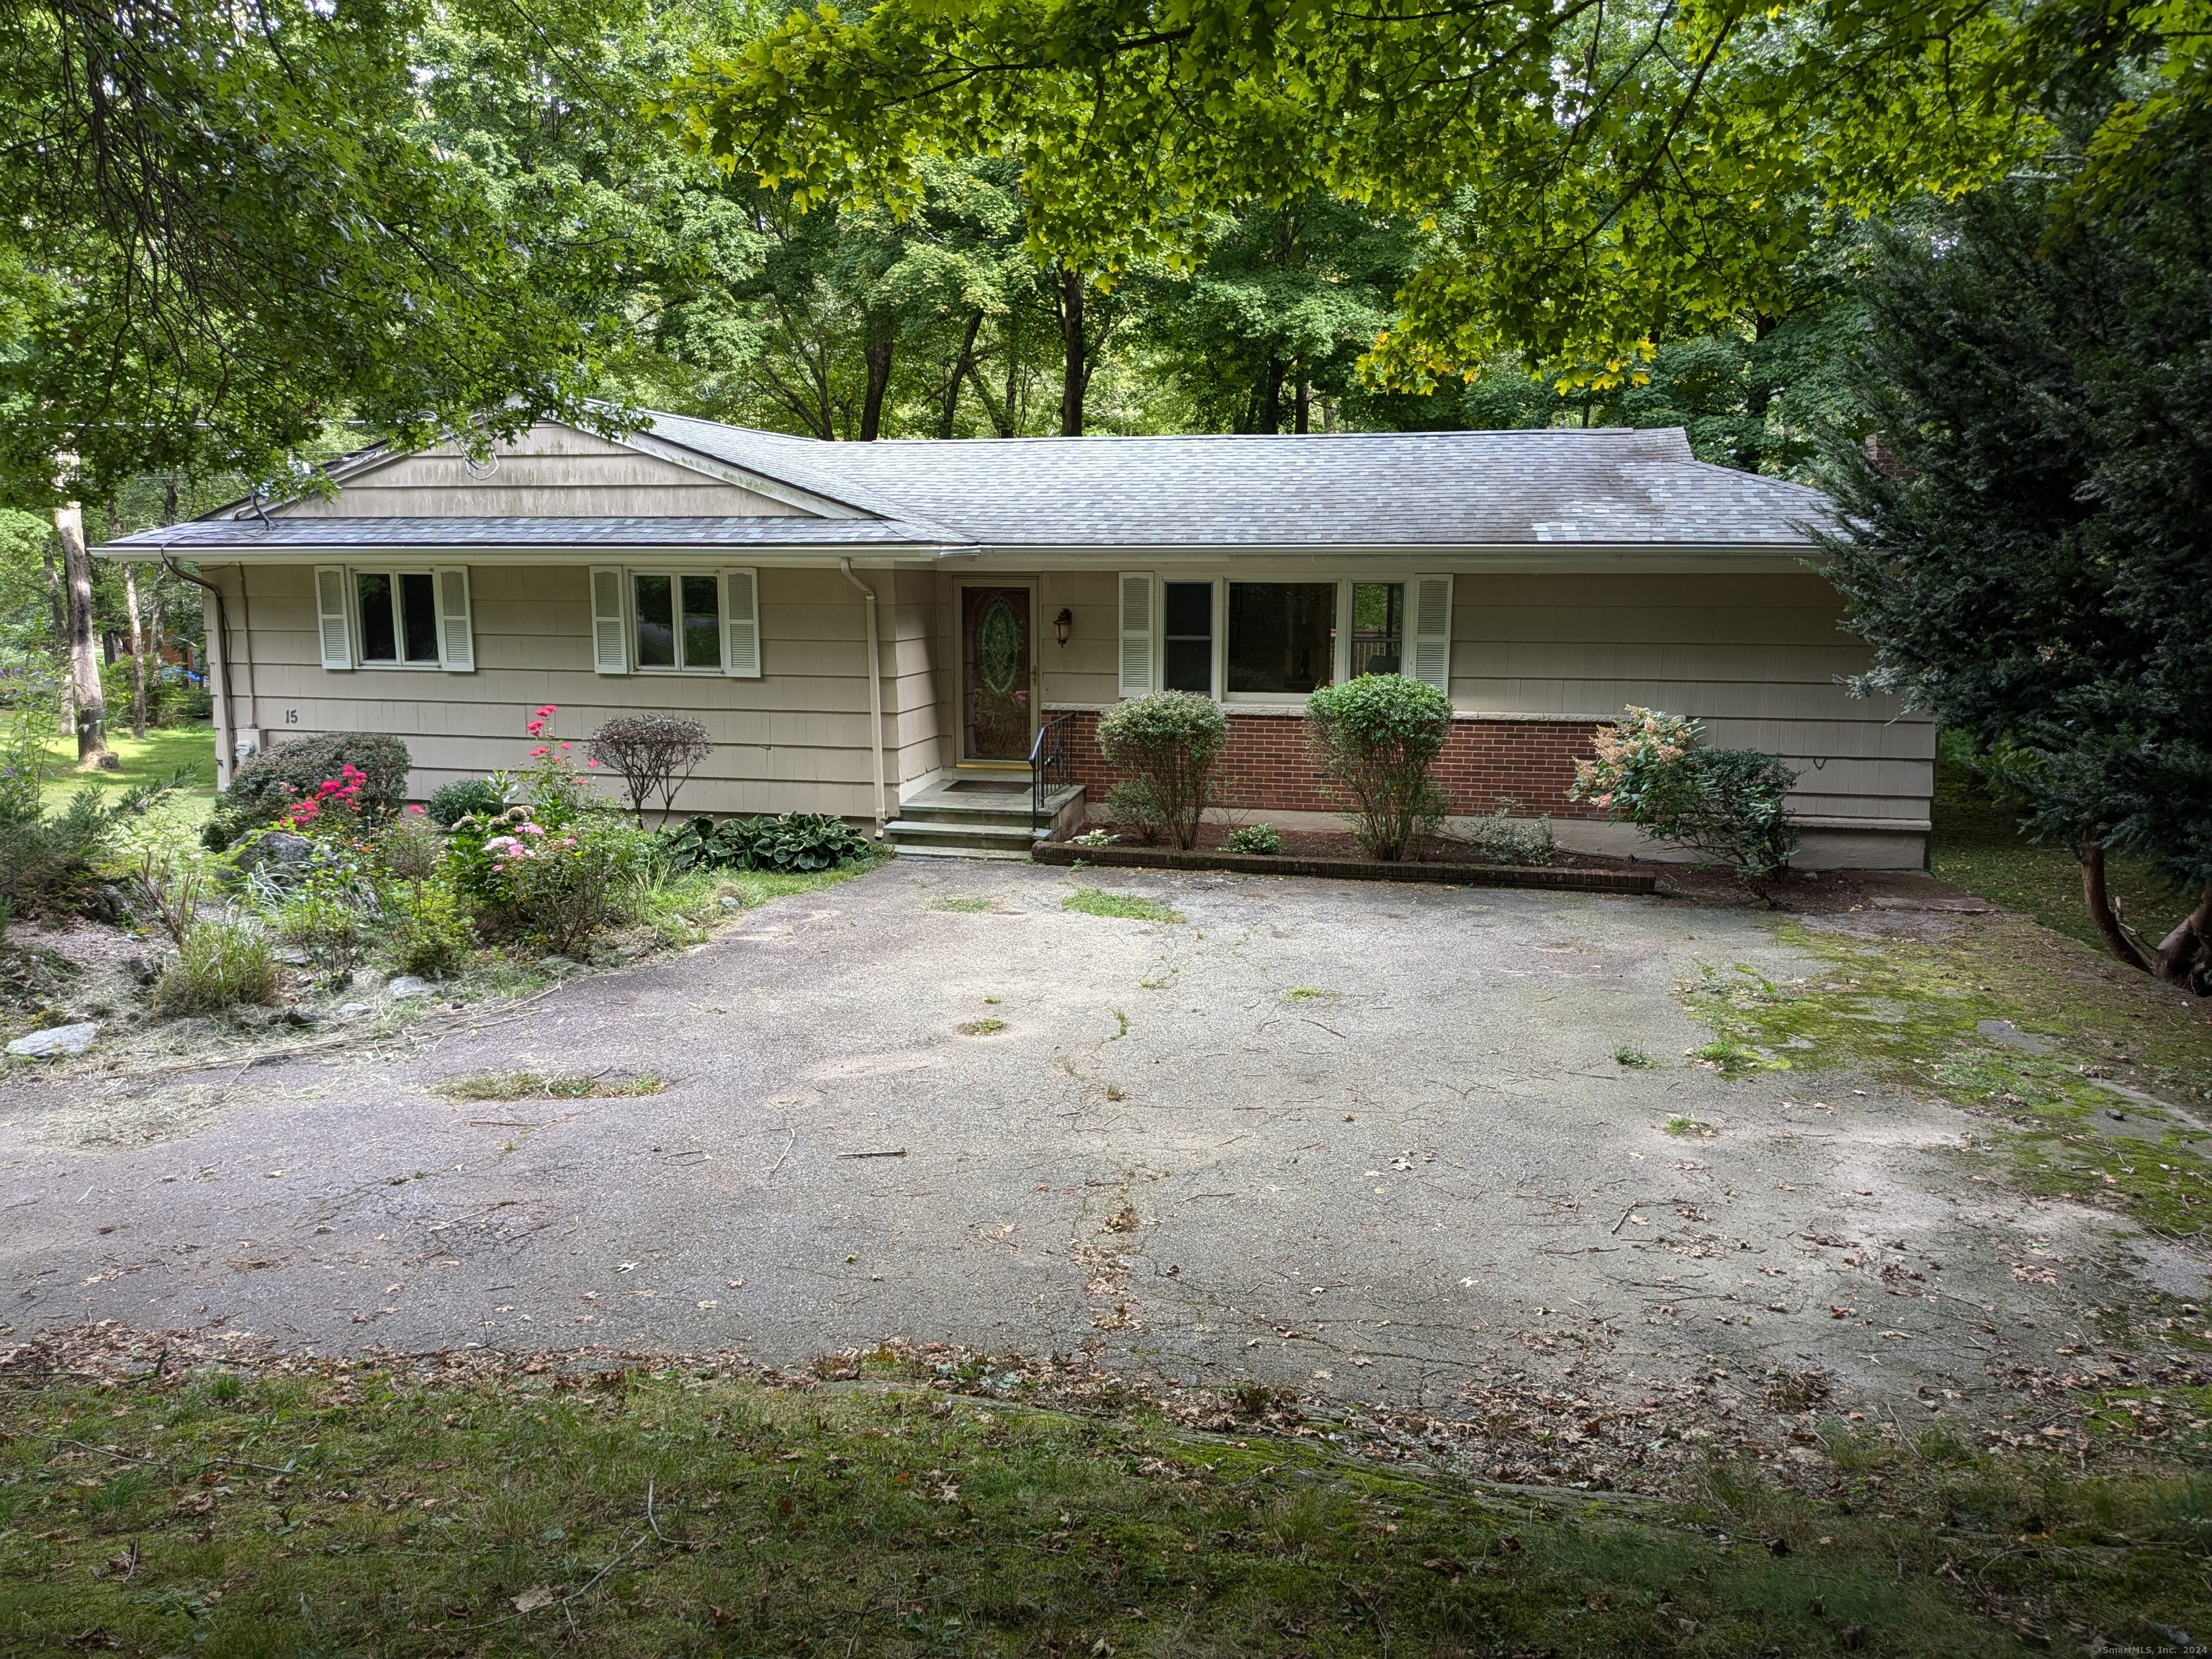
55, 1040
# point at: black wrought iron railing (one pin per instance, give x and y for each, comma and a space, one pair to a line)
1050, 770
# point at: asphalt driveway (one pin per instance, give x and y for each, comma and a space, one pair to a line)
1362, 1138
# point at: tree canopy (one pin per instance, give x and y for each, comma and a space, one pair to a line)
224, 225
1585, 174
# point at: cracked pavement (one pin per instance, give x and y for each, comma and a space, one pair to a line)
1359, 1139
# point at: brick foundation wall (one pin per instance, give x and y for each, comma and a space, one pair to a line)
1266, 766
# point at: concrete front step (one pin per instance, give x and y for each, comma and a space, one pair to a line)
931, 835
909, 850
951, 816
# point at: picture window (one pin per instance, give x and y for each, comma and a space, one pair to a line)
1282, 637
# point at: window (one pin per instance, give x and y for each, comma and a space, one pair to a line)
705, 622
679, 620
1282, 637
1188, 608
399, 613
1378, 628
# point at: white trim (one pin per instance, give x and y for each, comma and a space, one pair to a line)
334, 622
403, 664
743, 665
449, 588
1427, 649
1136, 660
610, 626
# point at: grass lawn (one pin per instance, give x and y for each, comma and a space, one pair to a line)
1977, 846
918, 1510
155, 758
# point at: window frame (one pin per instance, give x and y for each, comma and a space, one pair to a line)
1405, 578
445, 661
737, 618
676, 575
1339, 644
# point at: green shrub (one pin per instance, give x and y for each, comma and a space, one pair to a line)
46, 858
266, 783
796, 842
221, 965
451, 802
324, 917
1729, 804
426, 928
1377, 740
1256, 838
1170, 744
1501, 836
560, 885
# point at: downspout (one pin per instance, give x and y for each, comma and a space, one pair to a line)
222, 656
875, 691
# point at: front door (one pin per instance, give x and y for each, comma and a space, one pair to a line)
997, 699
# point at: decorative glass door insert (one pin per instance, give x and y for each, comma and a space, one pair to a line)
996, 696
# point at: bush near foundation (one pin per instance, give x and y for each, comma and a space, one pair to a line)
792, 842
266, 785
1170, 743
1728, 804
1376, 740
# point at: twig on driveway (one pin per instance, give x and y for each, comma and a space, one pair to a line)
1625, 1214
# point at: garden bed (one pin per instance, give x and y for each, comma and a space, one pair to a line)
1445, 873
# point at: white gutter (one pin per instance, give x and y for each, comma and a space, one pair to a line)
875, 691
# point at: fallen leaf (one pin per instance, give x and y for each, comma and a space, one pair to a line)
536, 1596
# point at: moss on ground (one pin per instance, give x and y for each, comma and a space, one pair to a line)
1964, 1017
691, 1510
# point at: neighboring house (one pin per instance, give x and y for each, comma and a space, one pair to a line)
862, 625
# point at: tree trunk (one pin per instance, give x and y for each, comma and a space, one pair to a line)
2183, 954
1302, 422
963, 365
58, 601
84, 650
877, 354
138, 652
1271, 399
1075, 376
2102, 915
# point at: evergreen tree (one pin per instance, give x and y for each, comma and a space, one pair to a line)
2026, 540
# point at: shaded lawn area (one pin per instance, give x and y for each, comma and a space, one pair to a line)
698, 1509
1976, 845
155, 758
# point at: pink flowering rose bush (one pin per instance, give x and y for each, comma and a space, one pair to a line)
556, 868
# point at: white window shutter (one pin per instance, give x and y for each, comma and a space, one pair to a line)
331, 616
610, 638
1136, 632
1430, 658
457, 633
741, 650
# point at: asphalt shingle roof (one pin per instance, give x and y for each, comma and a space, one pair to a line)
1604, 488
1608, 486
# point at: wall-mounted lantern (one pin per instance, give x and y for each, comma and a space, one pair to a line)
1063, 624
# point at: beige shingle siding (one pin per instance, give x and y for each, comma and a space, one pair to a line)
554, 471
793, 741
